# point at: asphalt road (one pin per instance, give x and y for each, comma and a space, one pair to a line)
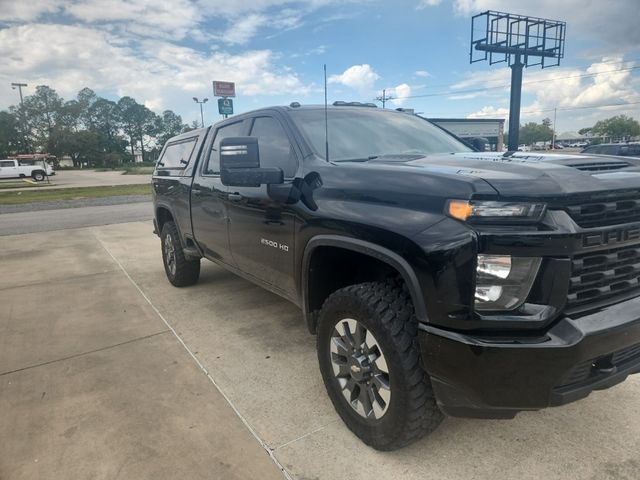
64, 218
87, 178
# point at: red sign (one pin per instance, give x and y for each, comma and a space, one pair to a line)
224, 89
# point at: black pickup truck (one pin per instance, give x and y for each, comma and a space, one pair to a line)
436, 278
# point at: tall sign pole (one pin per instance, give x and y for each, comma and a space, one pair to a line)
518, 41
514, 103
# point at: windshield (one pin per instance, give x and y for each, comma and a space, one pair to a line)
366, 133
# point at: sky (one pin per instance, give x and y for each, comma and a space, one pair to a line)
164, 53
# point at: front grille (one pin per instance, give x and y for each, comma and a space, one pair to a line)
590, 369
606, 209
603, 277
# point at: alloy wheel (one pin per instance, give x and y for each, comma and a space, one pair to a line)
360, 368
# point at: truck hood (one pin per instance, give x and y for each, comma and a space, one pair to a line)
525, 174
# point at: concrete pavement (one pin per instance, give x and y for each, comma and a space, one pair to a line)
93, 383
257, 350
64, 218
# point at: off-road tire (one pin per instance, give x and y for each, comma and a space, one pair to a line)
38, 176
186, 271
386, 310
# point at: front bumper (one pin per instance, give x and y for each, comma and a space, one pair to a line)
495, 376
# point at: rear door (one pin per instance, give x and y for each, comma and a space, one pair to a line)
261, 231
172, 178
208, 197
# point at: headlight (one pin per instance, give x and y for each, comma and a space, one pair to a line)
504, 282
485, 211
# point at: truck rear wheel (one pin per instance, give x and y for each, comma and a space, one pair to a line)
38, 176
370, 363
180, 271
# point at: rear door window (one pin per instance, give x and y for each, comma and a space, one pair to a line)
7, 163
178, 154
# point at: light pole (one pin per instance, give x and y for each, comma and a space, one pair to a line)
195, 99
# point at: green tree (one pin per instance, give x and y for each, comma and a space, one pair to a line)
620, 126
534, 132
168, 125
138, 122
584, 131
42, 111
10, 137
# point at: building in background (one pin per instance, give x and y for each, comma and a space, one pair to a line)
491, 129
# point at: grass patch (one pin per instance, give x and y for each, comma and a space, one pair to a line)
5, 185
15, 198
138, 171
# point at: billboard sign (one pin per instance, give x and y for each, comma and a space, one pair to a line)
224, 89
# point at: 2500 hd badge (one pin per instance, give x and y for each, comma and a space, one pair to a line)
437, 279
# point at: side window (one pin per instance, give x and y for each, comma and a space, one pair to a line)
274, 146
177, 154
592, 150
610, 150
231, 130
6, 163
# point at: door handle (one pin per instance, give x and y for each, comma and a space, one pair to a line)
235, 197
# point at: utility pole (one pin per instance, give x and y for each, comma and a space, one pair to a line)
553, 141
19, 87
22, 122
384, 97
195, 99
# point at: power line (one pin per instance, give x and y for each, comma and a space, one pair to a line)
552, 109
621, 62
476, 90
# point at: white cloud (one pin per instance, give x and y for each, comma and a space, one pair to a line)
359, 77
428, 3
156, 72
566, 89
422, 73
24, 11
399, 94
490, 111
243, 29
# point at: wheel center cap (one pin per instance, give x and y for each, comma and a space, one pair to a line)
359, 368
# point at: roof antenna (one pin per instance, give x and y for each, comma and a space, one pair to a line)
326, 116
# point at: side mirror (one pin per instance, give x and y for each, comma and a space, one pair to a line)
240, 164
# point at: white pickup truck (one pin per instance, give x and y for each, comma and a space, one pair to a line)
13, 169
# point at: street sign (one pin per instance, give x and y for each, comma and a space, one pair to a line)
225, 106
224, 89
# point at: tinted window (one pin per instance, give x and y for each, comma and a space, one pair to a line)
591, 150
610, 150
356, 133
274, 146
178, 154
232, 130
634, 150
6, 163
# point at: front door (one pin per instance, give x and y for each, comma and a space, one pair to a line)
260, 229
208, 199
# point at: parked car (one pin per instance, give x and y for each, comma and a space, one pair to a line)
13, 169
524, 148
618, 149
437, 279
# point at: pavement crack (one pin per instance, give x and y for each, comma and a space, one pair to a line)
133, 340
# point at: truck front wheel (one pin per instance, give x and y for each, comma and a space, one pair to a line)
180, 271
38, 176
370, 363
